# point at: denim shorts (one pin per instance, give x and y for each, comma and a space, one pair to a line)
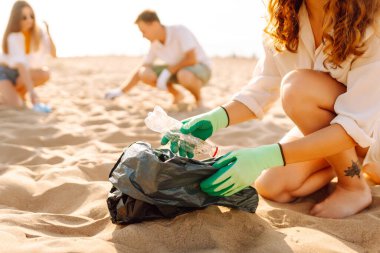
9, 74
200, 70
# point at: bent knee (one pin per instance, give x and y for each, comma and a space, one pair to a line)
185, 77
45, 75
40, 76
147, 75
295, 88
272, 190
302, 88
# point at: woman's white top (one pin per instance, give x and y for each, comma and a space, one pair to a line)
16, 51
358, 109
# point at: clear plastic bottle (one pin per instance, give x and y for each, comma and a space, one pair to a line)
160, 122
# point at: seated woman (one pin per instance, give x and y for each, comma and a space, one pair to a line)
25, 47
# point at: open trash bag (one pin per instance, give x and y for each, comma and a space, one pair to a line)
155, 183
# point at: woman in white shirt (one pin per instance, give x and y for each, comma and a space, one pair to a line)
322, 59
25, 47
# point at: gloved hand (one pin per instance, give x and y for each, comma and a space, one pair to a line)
114, 93
40, 107
163, 78
239, 169
201, 126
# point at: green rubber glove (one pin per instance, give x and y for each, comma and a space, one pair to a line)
201, 126
239, 169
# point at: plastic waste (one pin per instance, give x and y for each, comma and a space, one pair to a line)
160, 122
155, 183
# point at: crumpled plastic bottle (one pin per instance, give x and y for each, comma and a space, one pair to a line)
160, 122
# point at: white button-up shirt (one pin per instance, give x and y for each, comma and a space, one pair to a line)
358, 109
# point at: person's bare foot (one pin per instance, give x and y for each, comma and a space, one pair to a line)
343, 202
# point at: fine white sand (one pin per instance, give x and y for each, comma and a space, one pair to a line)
54, 173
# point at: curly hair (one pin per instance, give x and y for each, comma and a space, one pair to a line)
345, 23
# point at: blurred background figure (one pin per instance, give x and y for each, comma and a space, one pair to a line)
22, 65
184, 60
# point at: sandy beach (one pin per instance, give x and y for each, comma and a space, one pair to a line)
54, 173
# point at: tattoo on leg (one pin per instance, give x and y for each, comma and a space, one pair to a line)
353, 170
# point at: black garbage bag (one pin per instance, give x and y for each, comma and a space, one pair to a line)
155, 183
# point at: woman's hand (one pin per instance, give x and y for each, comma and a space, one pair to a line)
239, 169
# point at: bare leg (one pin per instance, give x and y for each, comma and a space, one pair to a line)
188, 80
148, 76
177, 95
284, 184
39, 77
310, 104
351, 195
8, 94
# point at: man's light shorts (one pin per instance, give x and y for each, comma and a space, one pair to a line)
200, 70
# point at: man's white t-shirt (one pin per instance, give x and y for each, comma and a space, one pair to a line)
179, 40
